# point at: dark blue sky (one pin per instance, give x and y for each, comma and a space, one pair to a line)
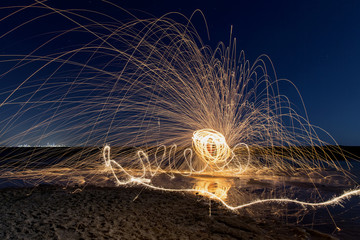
315, 44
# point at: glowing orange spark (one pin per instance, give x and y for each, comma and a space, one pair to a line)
164, 83
211, 147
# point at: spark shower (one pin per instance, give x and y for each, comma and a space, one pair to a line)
159, 103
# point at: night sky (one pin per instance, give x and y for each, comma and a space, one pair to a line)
315, 44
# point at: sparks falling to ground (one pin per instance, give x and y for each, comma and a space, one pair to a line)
168, 105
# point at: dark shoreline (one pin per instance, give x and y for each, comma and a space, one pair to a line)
50, 212
38, 157
105, 212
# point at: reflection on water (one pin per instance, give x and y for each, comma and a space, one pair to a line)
233, 190
217, 186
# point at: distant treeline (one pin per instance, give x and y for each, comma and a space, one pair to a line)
328, 152
37, 157
43, 156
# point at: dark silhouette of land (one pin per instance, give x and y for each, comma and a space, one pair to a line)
37, 157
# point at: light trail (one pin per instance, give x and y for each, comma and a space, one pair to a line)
167, 104
334, 201
220, 194
211, 147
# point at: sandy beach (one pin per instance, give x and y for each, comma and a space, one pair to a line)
54, 212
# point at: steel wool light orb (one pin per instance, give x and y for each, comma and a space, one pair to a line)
211, 147
146, 86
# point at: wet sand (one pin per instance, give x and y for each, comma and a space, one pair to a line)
54, 212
